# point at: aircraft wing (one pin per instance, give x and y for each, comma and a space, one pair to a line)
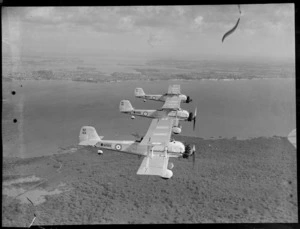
159, 132
174, 89
172, 103
153, 165
156, 138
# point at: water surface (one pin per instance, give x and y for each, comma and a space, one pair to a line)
51, 113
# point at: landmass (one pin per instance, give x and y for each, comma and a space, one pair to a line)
232, 181
53, 68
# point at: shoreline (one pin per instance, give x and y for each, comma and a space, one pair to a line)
74, 148
146, 80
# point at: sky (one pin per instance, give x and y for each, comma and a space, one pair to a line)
264, 30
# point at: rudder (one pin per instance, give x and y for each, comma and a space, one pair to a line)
88, 134
125, 106
139, 92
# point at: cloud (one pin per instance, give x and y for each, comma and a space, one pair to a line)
198, 21
154, 39
47, 15
176, 20
126, 23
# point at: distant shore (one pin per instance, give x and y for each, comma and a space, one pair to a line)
142, 79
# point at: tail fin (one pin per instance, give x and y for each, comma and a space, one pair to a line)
139, 92
88, 136
125, 106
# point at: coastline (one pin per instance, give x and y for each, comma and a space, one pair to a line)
149, 80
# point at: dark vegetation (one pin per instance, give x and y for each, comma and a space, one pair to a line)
235, 181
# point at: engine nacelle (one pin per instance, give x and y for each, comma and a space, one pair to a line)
183, 114
168, 174
176, 130
132, 117
183, 97
176, 147
100, 152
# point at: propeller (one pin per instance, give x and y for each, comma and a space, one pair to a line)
190, 151
192, 117
188, 99
195, 115
194, 155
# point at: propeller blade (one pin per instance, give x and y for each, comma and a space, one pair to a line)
194, 148
194, 155
194, 159
190, 118
194, 119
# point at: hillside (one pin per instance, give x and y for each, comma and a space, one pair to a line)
234, 181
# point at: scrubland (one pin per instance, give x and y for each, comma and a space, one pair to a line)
232, 181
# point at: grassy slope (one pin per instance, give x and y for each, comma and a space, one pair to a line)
233, 181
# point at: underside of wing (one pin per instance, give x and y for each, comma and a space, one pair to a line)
155, 165
174, 89
159, 132
157, 138
172, 103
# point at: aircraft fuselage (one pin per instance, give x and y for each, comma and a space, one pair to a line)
162, 98
174, 148
179, 114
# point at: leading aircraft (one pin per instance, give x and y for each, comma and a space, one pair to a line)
156, 147
173, 90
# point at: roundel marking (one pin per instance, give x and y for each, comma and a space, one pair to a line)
118, 147
153, 97
145, 113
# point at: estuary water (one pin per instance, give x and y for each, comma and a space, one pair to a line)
51, 113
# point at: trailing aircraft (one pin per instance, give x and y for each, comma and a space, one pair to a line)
173, 90
168, 110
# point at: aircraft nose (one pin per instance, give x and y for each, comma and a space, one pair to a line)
186, 114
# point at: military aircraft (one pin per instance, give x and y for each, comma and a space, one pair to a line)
171, 109
173, 90
155, 146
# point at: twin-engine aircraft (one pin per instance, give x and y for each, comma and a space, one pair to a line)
166, 111
156, 145
171, 107
173, 90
